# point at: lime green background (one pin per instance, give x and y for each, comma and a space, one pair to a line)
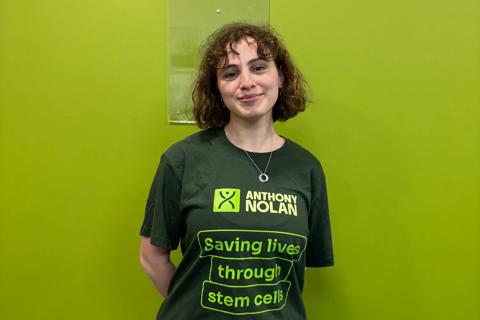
394, 119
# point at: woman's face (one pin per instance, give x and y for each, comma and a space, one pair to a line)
248, 85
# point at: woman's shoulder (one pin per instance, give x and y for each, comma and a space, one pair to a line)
303, 158
300, 153
196, 142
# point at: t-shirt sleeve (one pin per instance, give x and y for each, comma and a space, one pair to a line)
319, 247
162, 221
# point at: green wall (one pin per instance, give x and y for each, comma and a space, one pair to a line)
394, 119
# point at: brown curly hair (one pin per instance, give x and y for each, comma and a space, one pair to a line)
208, 109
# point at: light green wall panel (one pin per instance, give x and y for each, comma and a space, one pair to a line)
190, 22
394, 118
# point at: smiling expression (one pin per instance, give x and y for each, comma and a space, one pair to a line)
248, 85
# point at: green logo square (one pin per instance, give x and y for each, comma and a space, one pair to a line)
226, 200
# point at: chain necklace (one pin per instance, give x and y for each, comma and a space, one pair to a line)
263, 177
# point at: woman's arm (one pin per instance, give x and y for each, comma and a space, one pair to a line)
156, 263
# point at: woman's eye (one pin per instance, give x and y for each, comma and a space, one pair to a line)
259, 68
230, 75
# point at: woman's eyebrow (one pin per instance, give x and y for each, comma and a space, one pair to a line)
255, 60
232, 65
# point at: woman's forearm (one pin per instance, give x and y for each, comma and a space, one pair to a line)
158, 266
161, 273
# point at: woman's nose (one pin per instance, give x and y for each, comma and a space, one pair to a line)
246, 81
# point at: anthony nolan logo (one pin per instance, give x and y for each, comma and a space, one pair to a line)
226, 200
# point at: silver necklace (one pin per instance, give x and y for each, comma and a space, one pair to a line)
263, 177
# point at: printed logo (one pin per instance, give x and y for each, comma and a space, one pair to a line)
226, 200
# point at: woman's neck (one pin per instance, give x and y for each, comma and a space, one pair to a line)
253, 137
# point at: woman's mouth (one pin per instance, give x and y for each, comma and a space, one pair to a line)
249, 97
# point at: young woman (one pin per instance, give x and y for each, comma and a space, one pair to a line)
248, 206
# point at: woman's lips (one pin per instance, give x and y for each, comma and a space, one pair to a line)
249, 97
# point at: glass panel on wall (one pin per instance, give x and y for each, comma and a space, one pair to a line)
189, 23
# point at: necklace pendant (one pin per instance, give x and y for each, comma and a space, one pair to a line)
263, 177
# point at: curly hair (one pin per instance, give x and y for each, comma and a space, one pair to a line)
208, 109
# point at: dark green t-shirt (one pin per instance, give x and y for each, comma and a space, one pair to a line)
245, 243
